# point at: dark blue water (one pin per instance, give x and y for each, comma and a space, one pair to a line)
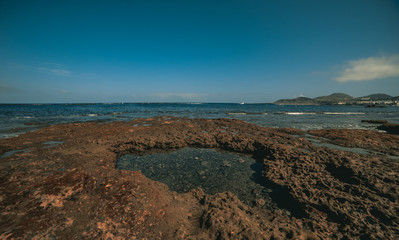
16, 119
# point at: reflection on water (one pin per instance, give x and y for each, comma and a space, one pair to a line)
10, 153
50, 144
323, 142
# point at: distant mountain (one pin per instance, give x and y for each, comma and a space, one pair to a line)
378, 96
334, 98
341, 99
297, 101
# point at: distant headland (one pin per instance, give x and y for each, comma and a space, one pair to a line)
373, 100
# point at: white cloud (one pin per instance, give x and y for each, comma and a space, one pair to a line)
175, 96
370, 69
63, 91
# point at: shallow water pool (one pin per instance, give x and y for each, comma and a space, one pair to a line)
212, 170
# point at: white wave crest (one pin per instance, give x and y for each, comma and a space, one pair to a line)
300, 113
344, 113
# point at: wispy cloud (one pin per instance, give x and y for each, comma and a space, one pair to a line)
370, 69
7, 89
53, 68
5, 86
171, 95
63, 91
60, 72
43, 67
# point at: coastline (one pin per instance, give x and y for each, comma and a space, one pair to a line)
15, 120
73, 189
378, 100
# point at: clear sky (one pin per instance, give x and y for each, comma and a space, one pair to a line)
196, 51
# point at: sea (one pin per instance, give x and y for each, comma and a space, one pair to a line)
16, 119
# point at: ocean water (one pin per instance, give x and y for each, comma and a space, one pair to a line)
17, 119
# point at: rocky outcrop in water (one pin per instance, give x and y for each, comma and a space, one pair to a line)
73, 190
390, 128
375, 121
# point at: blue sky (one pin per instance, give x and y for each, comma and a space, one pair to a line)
196, 51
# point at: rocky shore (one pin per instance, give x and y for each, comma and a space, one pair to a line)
61, 182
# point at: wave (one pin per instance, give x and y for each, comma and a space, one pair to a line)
24, 117
244, 113
299, 113
344, 113
327, 113
239, 113
77, 115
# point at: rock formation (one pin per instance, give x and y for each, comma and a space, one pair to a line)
72, 190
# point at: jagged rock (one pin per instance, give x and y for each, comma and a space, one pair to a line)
375, 121
73, 190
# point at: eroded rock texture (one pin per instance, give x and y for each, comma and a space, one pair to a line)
73, 190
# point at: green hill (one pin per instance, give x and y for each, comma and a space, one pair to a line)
378, 96
297, 101
338, 99
334, 98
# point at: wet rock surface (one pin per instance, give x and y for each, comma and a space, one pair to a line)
391, 128
368, 140
73, 190
374, 121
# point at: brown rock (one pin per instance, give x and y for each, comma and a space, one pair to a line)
73, 190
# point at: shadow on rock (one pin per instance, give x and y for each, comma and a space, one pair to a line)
279, 194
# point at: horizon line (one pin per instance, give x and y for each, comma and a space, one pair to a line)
91, 103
